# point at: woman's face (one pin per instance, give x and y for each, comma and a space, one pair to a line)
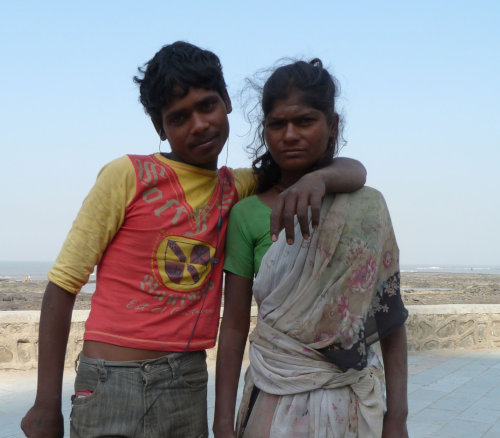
296, 134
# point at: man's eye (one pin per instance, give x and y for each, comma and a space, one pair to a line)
177, 120
274, 124
208, 106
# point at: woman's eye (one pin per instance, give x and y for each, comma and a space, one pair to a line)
306, 120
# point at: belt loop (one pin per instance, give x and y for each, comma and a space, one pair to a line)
173, 365
103, 372
77, 362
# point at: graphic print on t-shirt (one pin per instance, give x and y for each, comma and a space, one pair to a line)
183, 263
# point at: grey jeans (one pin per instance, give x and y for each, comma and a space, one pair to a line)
165, 397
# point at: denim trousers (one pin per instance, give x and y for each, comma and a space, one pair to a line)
165, 397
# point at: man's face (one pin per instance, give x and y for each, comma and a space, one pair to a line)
196, 126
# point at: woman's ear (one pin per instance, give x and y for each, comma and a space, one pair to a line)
334, 129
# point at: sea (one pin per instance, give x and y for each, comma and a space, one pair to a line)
37, 270
34, 271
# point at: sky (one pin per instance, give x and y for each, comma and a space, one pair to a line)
420, 96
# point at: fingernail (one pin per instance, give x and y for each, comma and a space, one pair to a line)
274, 238
290, 241
306, 236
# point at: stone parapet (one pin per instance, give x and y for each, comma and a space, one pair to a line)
453, 326
432, 327
19, 338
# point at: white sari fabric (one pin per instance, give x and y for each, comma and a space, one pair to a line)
336, 292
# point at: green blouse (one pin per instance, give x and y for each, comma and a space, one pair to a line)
248, 237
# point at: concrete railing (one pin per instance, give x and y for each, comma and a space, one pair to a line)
433, 327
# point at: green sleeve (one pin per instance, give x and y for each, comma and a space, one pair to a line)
239, 245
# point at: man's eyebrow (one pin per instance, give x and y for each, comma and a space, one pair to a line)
175, 113
208, 99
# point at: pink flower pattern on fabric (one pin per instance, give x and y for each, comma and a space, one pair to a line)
363, 278
350, 329
388, 259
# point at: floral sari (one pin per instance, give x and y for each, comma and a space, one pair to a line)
322, 302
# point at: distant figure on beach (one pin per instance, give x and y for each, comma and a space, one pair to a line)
322, 300
27, 278
155, 226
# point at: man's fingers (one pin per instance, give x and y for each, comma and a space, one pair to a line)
315, 202
276, 218
303, 216
289, 209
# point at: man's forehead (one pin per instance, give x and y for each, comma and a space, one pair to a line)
182, 97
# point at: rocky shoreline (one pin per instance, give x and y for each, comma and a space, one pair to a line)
417, 289
28, 295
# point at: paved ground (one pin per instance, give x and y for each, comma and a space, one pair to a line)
451, 395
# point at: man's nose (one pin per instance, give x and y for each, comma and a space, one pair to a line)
200, 123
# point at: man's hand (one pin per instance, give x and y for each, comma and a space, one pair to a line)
45, 419
307, 191
41, 422
344, 175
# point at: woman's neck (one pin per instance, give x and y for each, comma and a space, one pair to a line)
288, 179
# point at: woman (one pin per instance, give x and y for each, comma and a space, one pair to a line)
322, 301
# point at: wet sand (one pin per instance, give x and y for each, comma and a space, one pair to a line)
416, 288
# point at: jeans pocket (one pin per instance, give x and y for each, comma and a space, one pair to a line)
196, 377
88, 384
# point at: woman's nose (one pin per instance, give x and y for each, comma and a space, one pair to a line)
290, 132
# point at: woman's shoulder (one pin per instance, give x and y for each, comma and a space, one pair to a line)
249, 203
366, 194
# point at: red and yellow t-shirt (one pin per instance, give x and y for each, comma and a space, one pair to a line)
151, 225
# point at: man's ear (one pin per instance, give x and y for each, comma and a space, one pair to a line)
159, 130
227, 102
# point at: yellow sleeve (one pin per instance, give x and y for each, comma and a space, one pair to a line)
99, 219
245, 181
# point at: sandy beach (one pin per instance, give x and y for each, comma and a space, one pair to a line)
417, 288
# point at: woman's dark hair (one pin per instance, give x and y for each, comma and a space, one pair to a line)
317, 88
170, 73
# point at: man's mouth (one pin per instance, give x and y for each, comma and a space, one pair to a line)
205, 142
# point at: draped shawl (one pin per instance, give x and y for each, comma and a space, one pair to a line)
322, 301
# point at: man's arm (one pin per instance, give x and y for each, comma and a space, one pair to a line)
232, 340
45, 419
394, 352
344, 175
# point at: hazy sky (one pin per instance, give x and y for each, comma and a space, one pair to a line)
420, 97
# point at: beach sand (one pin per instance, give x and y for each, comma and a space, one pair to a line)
417, 288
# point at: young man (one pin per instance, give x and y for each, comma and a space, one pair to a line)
155, 227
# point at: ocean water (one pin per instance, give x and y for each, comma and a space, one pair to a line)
38, 270
34, 270
453, 269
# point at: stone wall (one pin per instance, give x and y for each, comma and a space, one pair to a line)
452, 326
19, 338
